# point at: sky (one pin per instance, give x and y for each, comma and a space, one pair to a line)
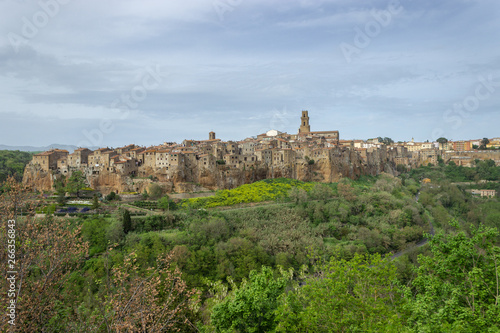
115, 72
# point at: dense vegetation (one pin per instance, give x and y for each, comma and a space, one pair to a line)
314, 259
12, 163
482, 170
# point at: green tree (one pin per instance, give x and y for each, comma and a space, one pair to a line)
484, 142
251, 307
385, 140
388, 141
297, 195
401, 168
166, 204
442, 140
76, 182
360, 295
95, 202
61, 192
111, 196
321, 192
457, 288
126, 221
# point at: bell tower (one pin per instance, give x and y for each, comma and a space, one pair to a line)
304, 123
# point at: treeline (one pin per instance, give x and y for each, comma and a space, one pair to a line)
12, 163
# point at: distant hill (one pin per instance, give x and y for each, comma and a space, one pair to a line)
69, 148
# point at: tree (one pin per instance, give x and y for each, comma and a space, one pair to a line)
457, 288
95, 202
442, 140
166, 204
484, 142
359, 295
127, 221
346, 191
401, 168
111, 196
157, 300
321, 192
76, 183
251, 306
61, 191
47, 252
385, 141
388, 141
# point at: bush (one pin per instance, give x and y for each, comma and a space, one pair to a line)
111, 196
155, 191
146, 204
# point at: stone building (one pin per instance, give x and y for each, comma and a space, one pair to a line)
48, 160
304, 128
79, 158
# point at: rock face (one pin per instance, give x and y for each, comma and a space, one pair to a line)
327, 168
37, 178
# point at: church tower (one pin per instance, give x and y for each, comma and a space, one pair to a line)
304, 123
211, 135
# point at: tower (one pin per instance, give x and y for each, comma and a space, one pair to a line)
211, 136
304, 123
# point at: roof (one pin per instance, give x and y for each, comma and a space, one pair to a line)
321, 132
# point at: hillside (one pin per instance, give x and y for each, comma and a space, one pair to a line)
12, 163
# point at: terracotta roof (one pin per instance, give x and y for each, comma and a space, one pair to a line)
45, 153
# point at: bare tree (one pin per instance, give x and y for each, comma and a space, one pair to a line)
157, 300
45, 251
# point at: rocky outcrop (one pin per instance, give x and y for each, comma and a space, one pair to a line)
38, 179
329, 168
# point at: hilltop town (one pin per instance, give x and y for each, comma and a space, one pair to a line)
214, 164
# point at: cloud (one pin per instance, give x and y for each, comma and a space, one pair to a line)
231, 72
